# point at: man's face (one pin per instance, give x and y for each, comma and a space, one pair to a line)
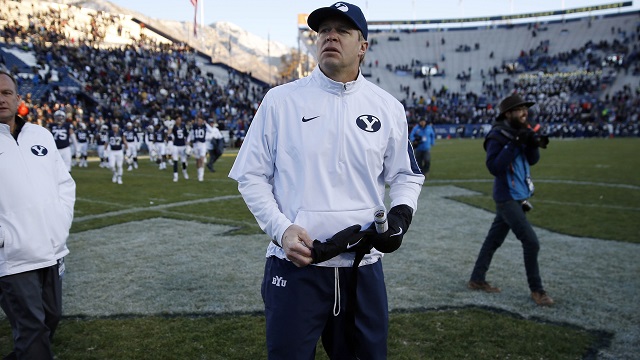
339, 46
9, 100
517, 117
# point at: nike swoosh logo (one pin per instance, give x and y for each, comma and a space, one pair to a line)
399, 233
309, 119
349, 246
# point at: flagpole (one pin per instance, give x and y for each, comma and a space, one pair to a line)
201, 19
195, 17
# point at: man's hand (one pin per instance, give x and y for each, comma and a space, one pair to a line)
296, 244
524, 136
346, 240
399, 219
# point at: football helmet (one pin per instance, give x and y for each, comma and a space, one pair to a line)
59, 116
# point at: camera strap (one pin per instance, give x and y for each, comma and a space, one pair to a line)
501, 133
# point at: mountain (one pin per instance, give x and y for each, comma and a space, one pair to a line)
225, 42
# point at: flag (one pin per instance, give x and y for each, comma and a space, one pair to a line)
195, 17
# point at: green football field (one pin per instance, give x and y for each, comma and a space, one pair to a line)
164, 270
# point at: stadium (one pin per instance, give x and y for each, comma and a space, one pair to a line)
162, 270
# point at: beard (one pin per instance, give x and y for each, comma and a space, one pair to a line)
516, 124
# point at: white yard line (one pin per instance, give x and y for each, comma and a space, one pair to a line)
152, 208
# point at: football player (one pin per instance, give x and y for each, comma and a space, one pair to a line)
115, 144
63, 135
82, 135
179, 132
132, 150
149, 140
102, 137
160, 145
198, 137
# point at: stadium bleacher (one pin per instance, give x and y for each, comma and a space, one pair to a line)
583, 72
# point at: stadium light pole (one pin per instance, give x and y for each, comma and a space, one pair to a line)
269, 56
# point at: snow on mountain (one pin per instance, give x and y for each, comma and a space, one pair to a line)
225, 42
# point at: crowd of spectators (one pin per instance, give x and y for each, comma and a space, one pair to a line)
569, 89
144, 79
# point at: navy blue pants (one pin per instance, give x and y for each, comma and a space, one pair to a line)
304, 304
423, 158
32, 301
510, 216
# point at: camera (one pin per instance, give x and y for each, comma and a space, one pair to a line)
526, 205
540, 140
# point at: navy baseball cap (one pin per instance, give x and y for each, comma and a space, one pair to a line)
349, 11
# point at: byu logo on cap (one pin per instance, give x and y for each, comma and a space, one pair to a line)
341, 6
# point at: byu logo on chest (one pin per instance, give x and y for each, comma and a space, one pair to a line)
368, 123
39, 150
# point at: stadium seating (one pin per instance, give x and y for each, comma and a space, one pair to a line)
563, 65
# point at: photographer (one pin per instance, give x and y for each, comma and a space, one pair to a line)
512, 147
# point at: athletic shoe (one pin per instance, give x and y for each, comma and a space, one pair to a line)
120, 180
175, 177
130, 168
186, 176
541, 298
482, 285
114, 178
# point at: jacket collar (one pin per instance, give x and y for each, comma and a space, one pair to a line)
19, 125
336, 87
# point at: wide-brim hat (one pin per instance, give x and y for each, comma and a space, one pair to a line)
512, 102
349, 11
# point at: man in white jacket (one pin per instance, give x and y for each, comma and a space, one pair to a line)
36, 210
312, 170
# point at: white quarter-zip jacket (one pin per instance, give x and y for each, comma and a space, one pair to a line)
37, 195
318, 154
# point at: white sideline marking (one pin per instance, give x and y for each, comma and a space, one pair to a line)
156, 207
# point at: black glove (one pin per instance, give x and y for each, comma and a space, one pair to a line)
348, 240
524, 137
398, 219
542, 141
